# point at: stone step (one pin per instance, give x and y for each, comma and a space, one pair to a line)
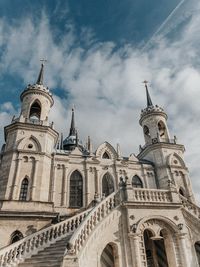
51, 256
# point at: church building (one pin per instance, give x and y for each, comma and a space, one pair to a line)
65, 204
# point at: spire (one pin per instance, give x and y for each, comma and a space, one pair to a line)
149, 102
41, 75
72, 128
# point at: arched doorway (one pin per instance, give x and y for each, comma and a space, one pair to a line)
197, 249
109, 256
155, 250
107, 185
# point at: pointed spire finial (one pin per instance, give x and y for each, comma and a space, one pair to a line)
149, 102
72, 128
41, 74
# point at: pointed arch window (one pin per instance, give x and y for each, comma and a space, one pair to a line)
35, 111
162, 129
105, 155
107, 185
16, 236
76, 190
136, 182
24, 190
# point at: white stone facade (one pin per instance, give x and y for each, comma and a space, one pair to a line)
141, 210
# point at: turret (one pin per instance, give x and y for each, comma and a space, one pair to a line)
36, 102
153, 120
166, 155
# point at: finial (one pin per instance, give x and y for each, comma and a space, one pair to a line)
61, 141
76, 138
72, 128
41, 74
149, 102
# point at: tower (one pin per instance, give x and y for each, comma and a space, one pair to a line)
164, 152
29, 143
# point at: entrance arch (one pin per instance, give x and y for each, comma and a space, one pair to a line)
107, 185
155, 250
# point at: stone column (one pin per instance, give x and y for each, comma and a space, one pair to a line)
97, 181
14, 192
86, 186
135, 249
184, 253
34, 180
53, 184
64, 187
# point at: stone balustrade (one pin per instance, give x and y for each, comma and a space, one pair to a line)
82, 234
24, 248
148, 195
190, 207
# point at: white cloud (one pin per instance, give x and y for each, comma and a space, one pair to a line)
105, 84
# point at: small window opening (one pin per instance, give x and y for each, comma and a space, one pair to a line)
16, 236
136, 182
106, 156
35, 111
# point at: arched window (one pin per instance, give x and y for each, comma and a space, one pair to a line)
146, 131
105, 155
35, 111
107, 257
76, 190
162, 130
197, 249
16, 236
107, 185
24, 190
182, 191
136, 182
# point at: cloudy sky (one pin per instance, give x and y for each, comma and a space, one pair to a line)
98, 53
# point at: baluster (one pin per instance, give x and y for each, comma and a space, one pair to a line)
63, 228
72, 225
55, 234
112, 203
68, 227
95, 218
28, 246
98, 215
60, 230
5, 259
47, 236
107, 207
102, 211
91, 223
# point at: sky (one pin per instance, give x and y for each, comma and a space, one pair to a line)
98, 53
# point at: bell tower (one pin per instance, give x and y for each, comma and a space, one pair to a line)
36, 102
154, 122
30, 140
165, 153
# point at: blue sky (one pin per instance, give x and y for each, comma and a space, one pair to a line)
98, 53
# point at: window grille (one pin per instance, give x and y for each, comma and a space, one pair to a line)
24, 190
76, 190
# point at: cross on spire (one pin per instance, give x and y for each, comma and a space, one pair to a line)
41, 74
72, 128
149, 101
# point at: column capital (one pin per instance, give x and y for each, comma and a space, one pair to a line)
134, 235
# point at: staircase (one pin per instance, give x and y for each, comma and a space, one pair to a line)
51, 256
47, 247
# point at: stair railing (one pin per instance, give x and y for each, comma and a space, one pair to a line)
82, 233
190, 207
31, 244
